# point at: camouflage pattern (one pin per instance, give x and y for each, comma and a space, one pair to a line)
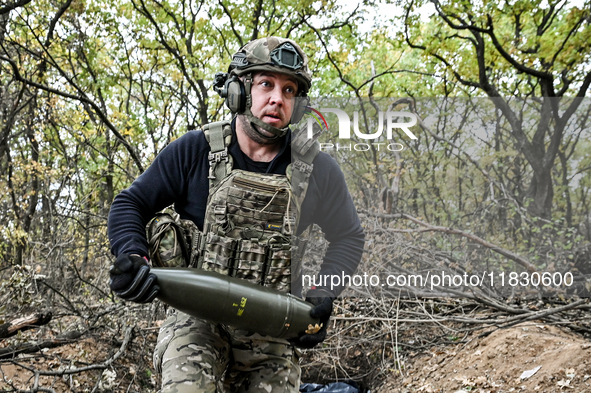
195, 356
248, 223
218, 254
250, 261
172, 241
278, 273
165, 240
257, 56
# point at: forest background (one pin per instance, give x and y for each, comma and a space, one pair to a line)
497, 179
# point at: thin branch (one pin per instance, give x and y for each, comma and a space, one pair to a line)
432, 228
227, 12
7, 8
81, 98
127, 338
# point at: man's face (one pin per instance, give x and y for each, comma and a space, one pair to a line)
273, 97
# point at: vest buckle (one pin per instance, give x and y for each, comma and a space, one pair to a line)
214, 159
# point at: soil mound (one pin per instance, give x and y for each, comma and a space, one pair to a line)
527, 358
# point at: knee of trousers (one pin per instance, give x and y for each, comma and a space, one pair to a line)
191, 354
262, 364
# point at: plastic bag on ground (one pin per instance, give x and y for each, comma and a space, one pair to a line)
335, 387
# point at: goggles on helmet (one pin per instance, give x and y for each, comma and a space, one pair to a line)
287, 56
284, 56
276, 55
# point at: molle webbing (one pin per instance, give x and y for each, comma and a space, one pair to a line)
301, 169
247, 228
219, 136
251, 218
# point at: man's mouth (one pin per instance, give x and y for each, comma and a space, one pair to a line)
272, 117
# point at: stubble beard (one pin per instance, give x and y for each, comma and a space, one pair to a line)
248, 129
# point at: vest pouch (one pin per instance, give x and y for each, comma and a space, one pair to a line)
218, 254
193, 238
278, 270
167, 241
250, 261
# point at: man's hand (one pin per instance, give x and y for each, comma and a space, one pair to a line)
322, 301
131, 279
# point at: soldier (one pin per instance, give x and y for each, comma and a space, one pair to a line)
265, 85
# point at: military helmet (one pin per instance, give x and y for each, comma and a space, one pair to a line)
276, 55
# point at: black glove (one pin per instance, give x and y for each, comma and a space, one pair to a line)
322, 301
131, 279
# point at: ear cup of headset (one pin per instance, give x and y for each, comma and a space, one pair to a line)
299, 109
235, 95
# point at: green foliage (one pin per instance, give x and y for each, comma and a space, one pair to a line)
103, 86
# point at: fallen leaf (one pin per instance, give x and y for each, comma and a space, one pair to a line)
564, 384
527, 374
426, 388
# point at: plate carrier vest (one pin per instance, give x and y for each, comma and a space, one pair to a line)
249, 230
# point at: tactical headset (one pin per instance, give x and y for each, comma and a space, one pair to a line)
271, 54
236, 98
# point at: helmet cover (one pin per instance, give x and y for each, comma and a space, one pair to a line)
273, 54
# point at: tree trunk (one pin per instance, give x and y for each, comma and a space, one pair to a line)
540, 194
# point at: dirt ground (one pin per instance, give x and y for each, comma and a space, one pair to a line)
502, 362
131, 372
494, 363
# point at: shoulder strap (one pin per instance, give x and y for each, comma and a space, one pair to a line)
219, 136
304, 149
301, 169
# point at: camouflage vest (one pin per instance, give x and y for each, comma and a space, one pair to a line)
251, 218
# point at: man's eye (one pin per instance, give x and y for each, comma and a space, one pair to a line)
290, 90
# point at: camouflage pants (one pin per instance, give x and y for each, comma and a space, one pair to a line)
196, 356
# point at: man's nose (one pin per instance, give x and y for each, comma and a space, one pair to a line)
277, 96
